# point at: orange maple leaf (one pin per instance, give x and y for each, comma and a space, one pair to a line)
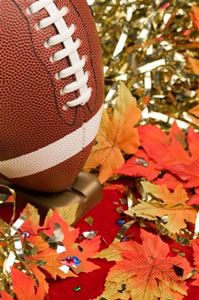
69, 234
171, 206
194, 64
83, 251
47, 258
86, 250
146, 271
195, 111
117, 135
24, 286
43, 287
57, 230
195, 16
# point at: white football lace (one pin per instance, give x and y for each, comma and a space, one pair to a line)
70, 50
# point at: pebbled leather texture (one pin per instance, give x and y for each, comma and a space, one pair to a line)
31, 115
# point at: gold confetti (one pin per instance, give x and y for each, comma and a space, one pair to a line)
147, 44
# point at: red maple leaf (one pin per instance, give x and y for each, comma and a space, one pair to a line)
170, 180
173, 152
195, 244
5, 296
194, 200
140, 166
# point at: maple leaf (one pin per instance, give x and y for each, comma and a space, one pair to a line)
195, 245
5, 296
47, 258
168, 152
195, 111
31, 224
117, 135
193, 114
146, 271
112, 253
43, 286
194, 64
165, 204
83, 251
140, 165
194, 200
58, 231
170, 180
86, 250
115, 187
68, 235
195, 16
23, 286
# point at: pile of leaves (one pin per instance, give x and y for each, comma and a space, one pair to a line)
34, 253
157, 170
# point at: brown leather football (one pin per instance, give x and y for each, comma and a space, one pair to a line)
51, 91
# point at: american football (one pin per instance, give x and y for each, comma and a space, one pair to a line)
51, 91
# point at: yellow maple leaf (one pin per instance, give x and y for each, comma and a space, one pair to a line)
117, 135
195, 111
165, 204
112, 253
194, 64
112, 291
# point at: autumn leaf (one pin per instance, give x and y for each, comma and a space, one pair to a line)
195, 245
83, 251
162, 148
68, 235
43, 286
170, 180
112, 253
194, 200
146, 271
57, 230
23, 285
44, 257
194, 64
140, 166
117, 135
115, 187
5, 296
47, 258
170, 153
31, 224
165, 204
194, 111
195, 16
86, 250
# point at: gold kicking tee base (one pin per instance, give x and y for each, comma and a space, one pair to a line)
72, 204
